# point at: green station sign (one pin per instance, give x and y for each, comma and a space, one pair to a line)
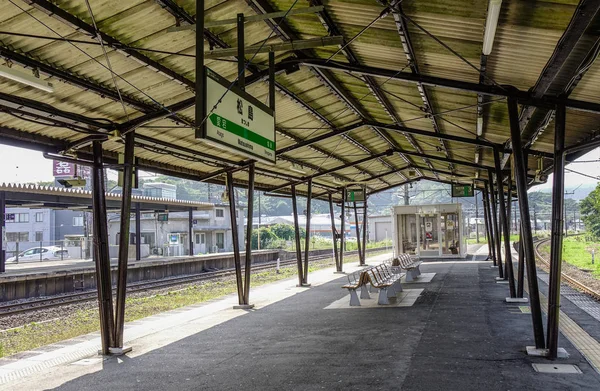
462, 191
355, 195
239, 123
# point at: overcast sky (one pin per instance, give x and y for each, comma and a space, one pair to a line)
23, 165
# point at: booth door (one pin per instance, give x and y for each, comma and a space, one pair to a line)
430, 240
408, 234
450, 234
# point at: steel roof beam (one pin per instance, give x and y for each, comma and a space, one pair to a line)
533, 118
69, 78
334, 169
282, 29
79, 25
444, 159
414, 67
332, 29
492, 90
396, 128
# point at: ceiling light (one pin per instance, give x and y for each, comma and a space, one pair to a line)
25, 78
490, 25
476, 156
297, 168
479, 126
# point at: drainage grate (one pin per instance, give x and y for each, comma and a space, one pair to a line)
556, 368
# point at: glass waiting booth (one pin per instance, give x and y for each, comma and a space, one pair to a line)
429, 231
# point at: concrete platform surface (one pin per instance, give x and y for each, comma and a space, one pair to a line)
458, 335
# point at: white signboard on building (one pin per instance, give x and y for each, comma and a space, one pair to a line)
239, 122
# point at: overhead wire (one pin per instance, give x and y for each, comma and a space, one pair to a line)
112, 74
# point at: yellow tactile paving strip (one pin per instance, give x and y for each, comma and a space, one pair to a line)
585, 343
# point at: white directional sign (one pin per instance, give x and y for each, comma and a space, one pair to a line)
240, 122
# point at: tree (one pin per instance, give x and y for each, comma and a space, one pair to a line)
590, 210
283, 231
266, 237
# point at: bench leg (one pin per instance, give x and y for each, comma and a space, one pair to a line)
398, 285
364, 292
372, 290
415, 274
391, 292
383, 299
409, 275
354, 298
418, 270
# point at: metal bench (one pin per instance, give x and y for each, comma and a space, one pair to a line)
381, 277
411, 266
355, 281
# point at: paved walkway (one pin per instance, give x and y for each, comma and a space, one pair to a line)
458, 335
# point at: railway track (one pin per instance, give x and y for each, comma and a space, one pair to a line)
73, 298
565, 277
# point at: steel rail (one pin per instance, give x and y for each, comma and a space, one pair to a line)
73, 298
580, 286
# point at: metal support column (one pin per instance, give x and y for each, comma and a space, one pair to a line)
360, 254
297, 235
138, 231
334, 234
521, 177
101, 255
2, 231
191, 231
343, 229
248, 265
235, 238
364, 235
488, 225
477, 217
124, 238
307, 234
520, 267
494, 212
558, 199
505, 227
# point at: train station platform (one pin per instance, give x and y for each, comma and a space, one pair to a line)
454, 332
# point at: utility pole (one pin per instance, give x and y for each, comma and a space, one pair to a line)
534, 220
406, 194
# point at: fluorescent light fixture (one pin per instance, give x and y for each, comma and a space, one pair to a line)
297, 168
33, 205
25, 78
491, 23
479, 126
477, 156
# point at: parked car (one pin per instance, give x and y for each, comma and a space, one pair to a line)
52, 253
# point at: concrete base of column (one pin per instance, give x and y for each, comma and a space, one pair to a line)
535, 352
517, 300
243, 307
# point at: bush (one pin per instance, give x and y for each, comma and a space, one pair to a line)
266, 238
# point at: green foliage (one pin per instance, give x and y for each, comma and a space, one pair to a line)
267, 237
286, 232
590, 210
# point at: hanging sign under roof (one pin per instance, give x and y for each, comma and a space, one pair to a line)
459, 190
240, 122
355, 195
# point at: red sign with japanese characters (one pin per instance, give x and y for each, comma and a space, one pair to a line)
63, 169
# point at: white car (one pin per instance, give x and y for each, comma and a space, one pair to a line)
52, 253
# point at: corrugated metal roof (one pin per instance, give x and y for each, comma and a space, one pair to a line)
306, 107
